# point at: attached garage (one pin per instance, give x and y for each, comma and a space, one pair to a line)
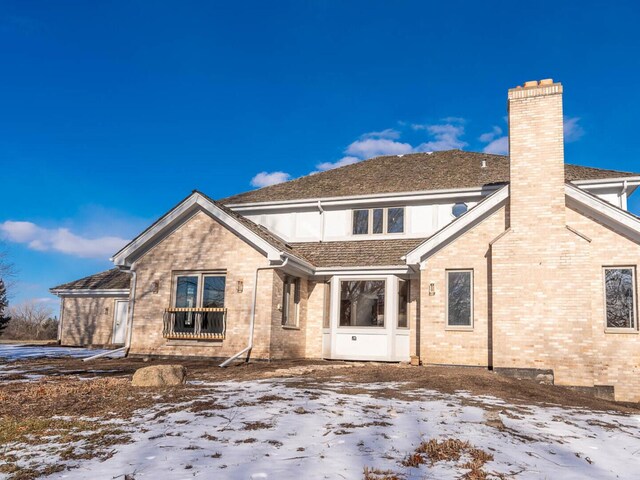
94, 309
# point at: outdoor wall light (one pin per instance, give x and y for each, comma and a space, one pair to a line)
155, 286
432, 289
240, 286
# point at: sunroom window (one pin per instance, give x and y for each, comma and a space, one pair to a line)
375, 221
403, 303
620, 297
362, 303
460, 298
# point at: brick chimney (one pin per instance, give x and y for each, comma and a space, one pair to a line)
536, 154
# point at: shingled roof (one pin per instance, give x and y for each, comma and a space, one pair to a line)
369, 253
445, 170
114, 279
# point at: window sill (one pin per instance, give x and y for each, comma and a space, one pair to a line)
624, 331
458, 329
290, 327
194, 343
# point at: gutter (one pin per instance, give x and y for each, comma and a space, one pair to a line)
127, 344
252, 320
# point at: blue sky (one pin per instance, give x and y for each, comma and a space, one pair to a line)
112, 112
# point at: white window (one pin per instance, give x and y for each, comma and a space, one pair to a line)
291, 302
459, 298
362, 303
620, 297
403, 303
459, 209
376, 221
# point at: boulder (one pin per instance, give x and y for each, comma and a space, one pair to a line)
159, 376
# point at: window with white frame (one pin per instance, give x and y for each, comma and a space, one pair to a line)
459, 298
291, 302
362, 303
620, 297
375, 221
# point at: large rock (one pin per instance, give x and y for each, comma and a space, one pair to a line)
159, 376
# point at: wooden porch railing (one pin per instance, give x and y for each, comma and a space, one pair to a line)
195, 323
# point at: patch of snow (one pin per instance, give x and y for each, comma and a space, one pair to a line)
12, 352
317, 433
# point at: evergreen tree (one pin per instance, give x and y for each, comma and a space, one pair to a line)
4, 303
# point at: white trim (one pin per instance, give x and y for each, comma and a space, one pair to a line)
104, 292
621, 219
184, 210
385, 270
369, 199
419, 253
606, 182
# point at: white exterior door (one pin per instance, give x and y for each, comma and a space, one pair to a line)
120, 321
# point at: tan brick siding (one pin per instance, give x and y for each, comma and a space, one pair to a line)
616, 356
202, 244
87, 320
438, 344
315, 315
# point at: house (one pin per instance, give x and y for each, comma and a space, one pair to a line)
523, 264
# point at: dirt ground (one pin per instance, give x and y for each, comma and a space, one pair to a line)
54, 396
61, 388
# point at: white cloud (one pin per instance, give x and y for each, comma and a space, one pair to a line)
60, 240
264, 179
572, 129
445, 137
374, 147
499, 146
390, 133
321, 167
491, 136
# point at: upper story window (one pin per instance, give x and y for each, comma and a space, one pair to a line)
459, 209
620, 293
374, 221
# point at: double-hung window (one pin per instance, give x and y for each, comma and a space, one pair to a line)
291, 302
199, 303
459, 298
620, 297
375, 221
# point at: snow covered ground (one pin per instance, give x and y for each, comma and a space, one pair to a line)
281, 429
11, 352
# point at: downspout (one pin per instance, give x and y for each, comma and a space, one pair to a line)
127, 345
252, 320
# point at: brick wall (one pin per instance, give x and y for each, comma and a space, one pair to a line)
201, 243
438, 343
87, 320
616, 356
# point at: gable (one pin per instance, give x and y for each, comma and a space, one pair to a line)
257, 237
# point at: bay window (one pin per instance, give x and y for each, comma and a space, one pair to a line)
362, 303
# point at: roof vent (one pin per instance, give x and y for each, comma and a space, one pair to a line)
484, 163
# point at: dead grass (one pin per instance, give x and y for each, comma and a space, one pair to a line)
377, 474
451, 450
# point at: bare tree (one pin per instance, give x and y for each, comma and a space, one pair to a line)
31, 320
